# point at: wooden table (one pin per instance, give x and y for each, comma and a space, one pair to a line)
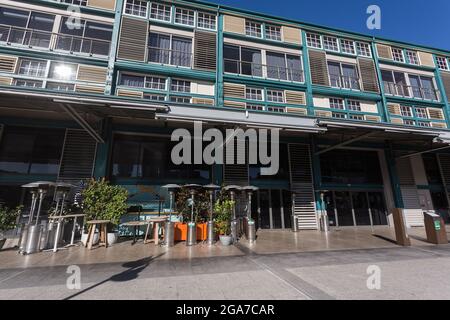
136, 225
60, 228
156, 222
103, 224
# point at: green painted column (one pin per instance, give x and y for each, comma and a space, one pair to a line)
306, 71
393, 176
111, 76
103, 151
219, 73
315, 165
441, 88
382, 109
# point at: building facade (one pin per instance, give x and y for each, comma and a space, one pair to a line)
96, 87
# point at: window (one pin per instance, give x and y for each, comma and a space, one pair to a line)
40, 23
421, 113
254, 107
347, 46
178, 99
353, 105
397, 55
422, 87
275, 96
180, 85
330, 43
313, 40
156, 83
284, 67
395, 83
32, 68
276, 109
168, 49
31, 150
338, 115
336, 103
184, 16
273, 32
253, 94
406, 111
160, 12
409, 122
423, 124
253, 29
206, 21
136, 8
28, 83
76, 2
91, 37
442, 63
343, 75
363, 49
412, 57
242, 60
356, 117
154, 97
132, 80
60, 86
62, 71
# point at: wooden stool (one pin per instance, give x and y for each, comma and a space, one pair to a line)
136, 225
103, 224
156, 224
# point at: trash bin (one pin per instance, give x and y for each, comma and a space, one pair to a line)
251, 230
169, 234
435, 228
401, 233
191, 239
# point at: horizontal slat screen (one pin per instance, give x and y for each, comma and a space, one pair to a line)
384, 51
394, 108
133, 39
91, 73
102, 4
231, 90
233, 24
446, 82
318, 66
323, 114
426, 59
234, 104
90, 89
204, 101
436, 113
295, 97
368, 75
298, 111
8, 64
129, 93
4, 81
205, 50
396, 121
372, 118
292, 35
439, 125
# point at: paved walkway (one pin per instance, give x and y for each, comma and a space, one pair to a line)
236, 272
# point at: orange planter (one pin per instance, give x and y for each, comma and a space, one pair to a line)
181, 231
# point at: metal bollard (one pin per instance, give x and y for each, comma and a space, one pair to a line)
251, 231
234, 231
210, 233
191, 234
23, 237
169, 237
294, 223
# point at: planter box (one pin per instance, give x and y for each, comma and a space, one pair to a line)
181, 231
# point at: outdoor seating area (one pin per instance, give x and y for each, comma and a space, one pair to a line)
97, 214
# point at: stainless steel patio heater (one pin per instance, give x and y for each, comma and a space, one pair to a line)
169, 236
232, 189
211, 188
192, 226
250, 227
62, 191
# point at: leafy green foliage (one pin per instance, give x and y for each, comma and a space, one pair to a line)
103, 201
201, 204
223, 210
8, 217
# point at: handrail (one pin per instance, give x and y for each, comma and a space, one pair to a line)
407, 91
346, 82
170, 56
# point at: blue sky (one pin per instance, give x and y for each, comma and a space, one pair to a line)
425, 22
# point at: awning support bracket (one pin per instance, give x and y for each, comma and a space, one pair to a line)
344, 143
422, 152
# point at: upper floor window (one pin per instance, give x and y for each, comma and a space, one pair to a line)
313, 40
132, 80
63, 71
284, 67
160, 12
336, 103
442, 63
136, 8
363, 49
330, 43
156, 83
412, 57
33, 68
276, 109
275, 96
206, 21
253, 94
253, 29
397, 55
184, 16
422, 87
242, 60
76, 2
273, 32
14, 24
353, 105
421, 113
347, 46
180, 85
406, 111
396, 83
343, 75
169, 49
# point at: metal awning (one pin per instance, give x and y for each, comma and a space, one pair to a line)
241, 117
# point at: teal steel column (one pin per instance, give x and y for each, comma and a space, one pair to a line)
103, 151
393, 176
219, 72
110, 78
306, 71
441, 88
315, 165
384, 111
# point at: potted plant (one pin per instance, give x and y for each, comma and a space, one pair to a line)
103, 201
8, 221
223, 210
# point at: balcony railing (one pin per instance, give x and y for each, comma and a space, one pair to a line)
172, 57
345, 82
406, 91
56, 41
261, 70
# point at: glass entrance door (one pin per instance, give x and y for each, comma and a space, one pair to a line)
275, 209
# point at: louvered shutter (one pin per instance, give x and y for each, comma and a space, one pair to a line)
5, 81
302, 185
368, 75
91, 73
292, 35
234, 173
8, 64
234, 104
133, 39
426, 59
205, 54
394, 108
318, 67
130, 93
233, 24
89, 89
446, 82
297, 111
384, 51
295, 97
435, 113
231, 90
77, 161
102, 4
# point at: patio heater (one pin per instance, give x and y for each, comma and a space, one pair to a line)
211, 188
192, 226
33, 189
62, 191
169, 237
232, 189
250, 228
324, 224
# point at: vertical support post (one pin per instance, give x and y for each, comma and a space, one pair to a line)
315, 164
383, 108
393, 176
306, 70
219, 67
441, 88
102, 155
110, 78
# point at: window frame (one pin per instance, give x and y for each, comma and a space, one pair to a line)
309, 36
270, 32
194, 17
415, 57
158, 4
347, 43
359, 45
336, 103
134, 15
439, 65
279, 98
254, 92
198, 13
249, 26
170, 49
395, 51
325, 39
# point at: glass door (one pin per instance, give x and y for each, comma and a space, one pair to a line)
343, 205
361, 208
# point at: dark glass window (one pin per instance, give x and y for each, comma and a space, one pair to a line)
432, 168
231, 58
31, 150
283, 171
149, 157
350, 167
